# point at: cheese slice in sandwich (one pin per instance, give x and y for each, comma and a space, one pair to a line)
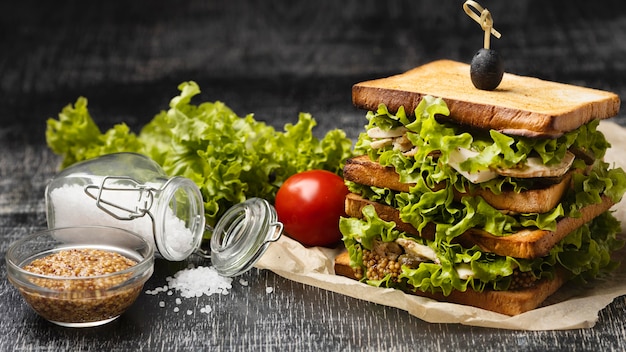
486, 198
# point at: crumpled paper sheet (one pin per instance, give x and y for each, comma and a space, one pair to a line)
570, 308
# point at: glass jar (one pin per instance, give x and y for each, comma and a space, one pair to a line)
129, 191
132, 192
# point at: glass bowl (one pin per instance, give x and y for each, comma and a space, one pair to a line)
94, 283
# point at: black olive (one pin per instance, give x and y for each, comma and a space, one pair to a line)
486, 69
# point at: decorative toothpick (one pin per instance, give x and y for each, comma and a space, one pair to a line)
487, 68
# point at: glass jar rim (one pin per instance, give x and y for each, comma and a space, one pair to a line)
197, 220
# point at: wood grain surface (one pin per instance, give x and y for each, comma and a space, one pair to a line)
273, 59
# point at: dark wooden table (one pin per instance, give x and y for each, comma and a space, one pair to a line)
275, 59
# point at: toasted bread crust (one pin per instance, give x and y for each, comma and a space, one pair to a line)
518, 106
363, 170
523, 244
512, 302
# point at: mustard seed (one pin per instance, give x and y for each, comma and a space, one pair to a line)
78, 262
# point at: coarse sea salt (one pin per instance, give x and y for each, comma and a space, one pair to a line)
202, 280
195, 282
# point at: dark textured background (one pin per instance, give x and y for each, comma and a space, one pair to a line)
277, 58
274, 59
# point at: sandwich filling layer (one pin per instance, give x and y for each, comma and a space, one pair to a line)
434, 184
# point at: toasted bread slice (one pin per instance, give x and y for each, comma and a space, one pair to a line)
363, 170
523, 244
518, 106
512, 302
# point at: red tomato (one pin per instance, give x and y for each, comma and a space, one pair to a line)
309, 204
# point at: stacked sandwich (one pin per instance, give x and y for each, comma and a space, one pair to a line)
493, 199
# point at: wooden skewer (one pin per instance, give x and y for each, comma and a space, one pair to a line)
483, 18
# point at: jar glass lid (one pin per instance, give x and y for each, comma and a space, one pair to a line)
242, 235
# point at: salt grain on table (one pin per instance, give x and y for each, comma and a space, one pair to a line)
206, 309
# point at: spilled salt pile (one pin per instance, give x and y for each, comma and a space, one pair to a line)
196, 282
202, 280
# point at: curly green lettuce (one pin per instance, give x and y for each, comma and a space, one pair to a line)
230, 158
494, 149
422, 205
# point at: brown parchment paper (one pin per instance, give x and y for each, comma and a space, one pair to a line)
570, 308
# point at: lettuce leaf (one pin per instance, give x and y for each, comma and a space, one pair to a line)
76, 137
230, 158
494, 149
